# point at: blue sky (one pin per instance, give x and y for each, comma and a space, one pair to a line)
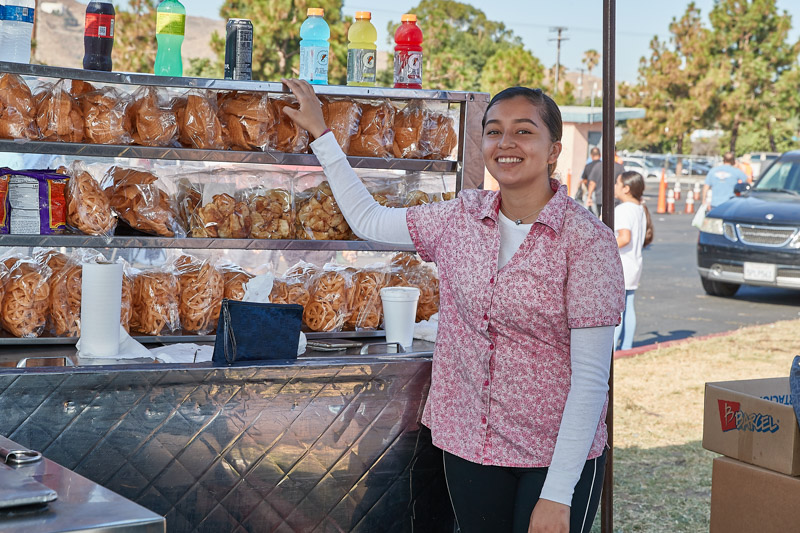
637, 23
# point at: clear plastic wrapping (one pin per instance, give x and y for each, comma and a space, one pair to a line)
17, 109
26, 299
319, 217
202, 288
327, 308
155, 303
248, 120
88, 207
289, 137
198, 123
105, 115
235, 279
126, 303
223, 217
375, 134
65, 298
152, 119
343, 117
271, 213
365, 309
420, 133
58, 115
406, 270
135, 195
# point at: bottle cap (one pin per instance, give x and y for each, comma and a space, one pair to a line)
363, 15
315, 12
408, 17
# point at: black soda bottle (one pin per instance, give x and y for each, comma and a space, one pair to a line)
98, 37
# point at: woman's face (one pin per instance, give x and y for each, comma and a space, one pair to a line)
620, 190
516, 143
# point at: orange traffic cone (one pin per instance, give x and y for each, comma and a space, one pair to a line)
661, 208
689, 203
677, 190
697, 192
670, 201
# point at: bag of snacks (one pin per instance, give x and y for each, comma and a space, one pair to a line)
408, 271
247, 120
343, 118
58, 115
223, 217
65, 299
198, 123
327, 304
375, 135
271, 214
136, 197
17, 109
23, 311
5, 205
235, 279
88, 207
289, 291
105, 115
152, 119
289, 137
420, 133
155, 303
438, 137
36, 202
202, 288
319, 217
365, 309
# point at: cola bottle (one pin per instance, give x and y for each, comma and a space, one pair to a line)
98, 36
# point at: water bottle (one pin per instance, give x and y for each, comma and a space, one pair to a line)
17, 28
2, 29
361, 51
170, 27
408, 54
98, 35
314, 49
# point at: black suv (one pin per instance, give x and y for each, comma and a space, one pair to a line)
754, 238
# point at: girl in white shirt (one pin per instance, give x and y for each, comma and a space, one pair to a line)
634, 231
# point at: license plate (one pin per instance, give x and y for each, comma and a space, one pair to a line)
759, 272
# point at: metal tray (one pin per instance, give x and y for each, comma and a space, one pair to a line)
7, 340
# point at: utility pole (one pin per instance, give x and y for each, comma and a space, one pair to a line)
558, 38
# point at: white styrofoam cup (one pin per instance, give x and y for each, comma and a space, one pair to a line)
399, 313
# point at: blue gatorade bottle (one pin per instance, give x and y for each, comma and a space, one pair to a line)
314, 48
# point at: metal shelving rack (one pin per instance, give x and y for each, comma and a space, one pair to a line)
468, 167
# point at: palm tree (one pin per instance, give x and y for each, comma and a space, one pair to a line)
591, 58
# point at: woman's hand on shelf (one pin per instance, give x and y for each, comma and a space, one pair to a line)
309, 116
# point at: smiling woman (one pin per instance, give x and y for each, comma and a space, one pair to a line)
530, 288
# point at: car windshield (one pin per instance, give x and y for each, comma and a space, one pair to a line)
782, 176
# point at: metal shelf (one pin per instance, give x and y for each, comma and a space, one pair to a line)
216, 156
8, 340
122, 78
89, 241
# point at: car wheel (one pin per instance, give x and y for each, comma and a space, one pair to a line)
719, 288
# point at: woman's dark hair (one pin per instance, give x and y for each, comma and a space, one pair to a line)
548, 110
635, 182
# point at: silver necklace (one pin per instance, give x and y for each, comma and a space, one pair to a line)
518, 221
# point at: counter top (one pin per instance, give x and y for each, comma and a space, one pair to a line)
82, 505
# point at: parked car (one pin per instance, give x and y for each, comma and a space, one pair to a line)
754, 238
641, 166
760, 161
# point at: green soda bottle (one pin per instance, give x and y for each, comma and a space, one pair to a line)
170, 26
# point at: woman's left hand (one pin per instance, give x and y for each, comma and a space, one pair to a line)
549, 517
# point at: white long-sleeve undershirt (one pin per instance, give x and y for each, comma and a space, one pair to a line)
590, 348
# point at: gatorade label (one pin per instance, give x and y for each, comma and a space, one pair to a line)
98, 25
170, 23
360, 65
408, 67
18, 14
314, 63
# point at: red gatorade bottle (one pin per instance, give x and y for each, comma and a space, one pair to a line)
408, 54
98, 36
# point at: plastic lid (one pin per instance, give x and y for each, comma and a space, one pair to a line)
408, 17
315, 12
363, 15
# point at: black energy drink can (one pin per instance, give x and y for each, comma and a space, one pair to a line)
239, 50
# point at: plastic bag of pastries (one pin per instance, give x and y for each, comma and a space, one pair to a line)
223, 217
138, 200
327, 307
201, 287
88, 207
26, 299
319, 216
375, 135
342, 116
289, 291
438, 137
126, 303
58, 115
365, 309
152, 119
247, 120
17, 109
416, 197
443, 196
198, 123
105, 115
407, 130
155, 302
271, 214
420, 133
289, 137
408, 271
235, 279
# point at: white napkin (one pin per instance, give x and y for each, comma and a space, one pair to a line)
129, 348
258, 289
426, 329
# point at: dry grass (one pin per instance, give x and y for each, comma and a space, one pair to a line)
662, 475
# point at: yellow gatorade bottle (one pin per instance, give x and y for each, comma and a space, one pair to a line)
361, 51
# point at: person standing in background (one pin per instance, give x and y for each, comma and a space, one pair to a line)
582, 195
595, 191
745, 166
721, 180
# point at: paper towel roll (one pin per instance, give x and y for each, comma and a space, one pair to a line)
101, 299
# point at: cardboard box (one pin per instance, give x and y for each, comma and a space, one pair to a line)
753, 421
749, 499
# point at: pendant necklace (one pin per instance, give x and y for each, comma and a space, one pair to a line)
518, 221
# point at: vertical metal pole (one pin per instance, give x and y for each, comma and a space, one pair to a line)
609, 113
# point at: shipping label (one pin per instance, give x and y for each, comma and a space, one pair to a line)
171, 23
98, 25
361, 66
733, 418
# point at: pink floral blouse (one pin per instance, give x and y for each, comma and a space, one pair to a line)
501, 366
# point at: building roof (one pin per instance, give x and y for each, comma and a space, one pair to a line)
589, 115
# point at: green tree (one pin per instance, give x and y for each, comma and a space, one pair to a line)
135, 37
750, 53
509, 67
276, 37
460, 42
591, 58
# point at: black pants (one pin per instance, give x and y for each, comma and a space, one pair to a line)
497, 499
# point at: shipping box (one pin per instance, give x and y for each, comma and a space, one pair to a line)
753, 421
750, 499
